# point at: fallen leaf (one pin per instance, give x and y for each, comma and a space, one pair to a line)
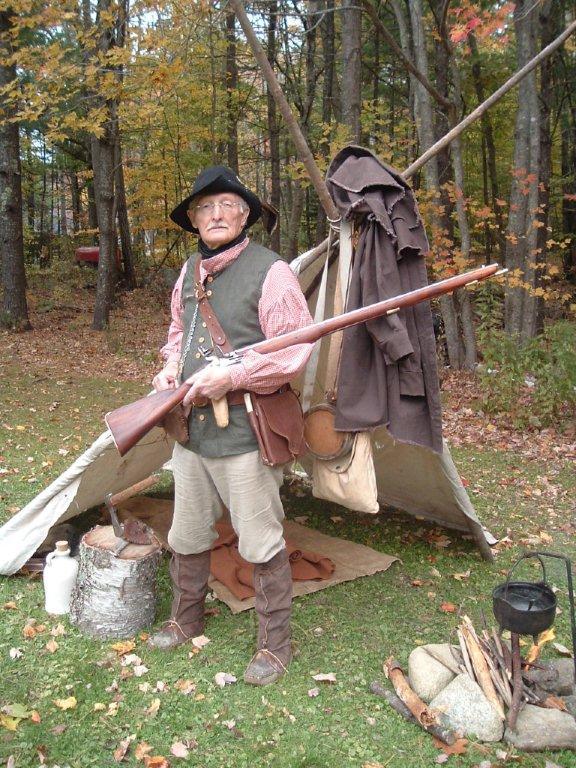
555, 702
58, 630
122, 749
441, 758
42, 753
230, 724
10, 606
131, 658
313, 692
11, 762
448, 607
35, 716
179, 749
52, 646
156, 762
16, 653
461, 576
112, 687
10, 723
224, 678
161, 686
16, 710
99, 707
144, 687
69, 703
322, 677
142, 749
123, 647
153, 708
200, 641
112, 710
543, 638
185, 686
58, 730
562, 650
139, 670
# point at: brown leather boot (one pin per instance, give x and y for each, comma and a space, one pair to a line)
273, 585
189, 586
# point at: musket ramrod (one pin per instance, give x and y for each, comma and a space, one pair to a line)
131, 422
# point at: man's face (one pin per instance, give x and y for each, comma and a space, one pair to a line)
219, 218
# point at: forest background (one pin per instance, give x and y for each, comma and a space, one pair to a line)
110, 109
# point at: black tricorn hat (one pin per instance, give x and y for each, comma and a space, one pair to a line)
216, 178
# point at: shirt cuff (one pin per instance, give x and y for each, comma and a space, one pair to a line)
239, 376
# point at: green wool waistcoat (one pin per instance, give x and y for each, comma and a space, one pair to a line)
236, 291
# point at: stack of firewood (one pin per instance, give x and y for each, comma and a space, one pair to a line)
489, 661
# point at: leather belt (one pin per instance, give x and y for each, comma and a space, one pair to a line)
235, 397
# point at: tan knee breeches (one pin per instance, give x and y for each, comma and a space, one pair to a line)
248, 488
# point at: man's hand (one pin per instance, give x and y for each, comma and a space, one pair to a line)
213, 381
167, 378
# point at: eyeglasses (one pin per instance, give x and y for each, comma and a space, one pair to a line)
227, 206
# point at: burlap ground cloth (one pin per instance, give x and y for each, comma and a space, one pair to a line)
351, 560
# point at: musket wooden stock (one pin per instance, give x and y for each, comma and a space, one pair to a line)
131, 422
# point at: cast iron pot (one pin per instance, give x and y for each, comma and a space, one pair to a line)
524, 607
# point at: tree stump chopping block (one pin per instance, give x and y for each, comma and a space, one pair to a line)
115, 595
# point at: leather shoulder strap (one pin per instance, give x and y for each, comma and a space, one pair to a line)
207, 313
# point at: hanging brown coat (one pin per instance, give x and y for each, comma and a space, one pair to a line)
388, 372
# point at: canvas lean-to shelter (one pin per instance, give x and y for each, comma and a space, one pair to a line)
417, 480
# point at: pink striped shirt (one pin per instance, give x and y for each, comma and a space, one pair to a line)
282, 308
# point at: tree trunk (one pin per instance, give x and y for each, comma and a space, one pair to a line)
491, 163
103, 151
231, 92
520, 302
351, 67
568, 152
273, 126
425, 126
14, 313
122, 217
549, 23
76, 205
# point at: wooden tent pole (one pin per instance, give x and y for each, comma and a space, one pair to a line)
297, 136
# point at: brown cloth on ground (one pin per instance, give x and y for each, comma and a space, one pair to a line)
388, 370
228, 567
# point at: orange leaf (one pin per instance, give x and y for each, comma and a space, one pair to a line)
142, 750
35, 717
125, 647
448, 607
156, 762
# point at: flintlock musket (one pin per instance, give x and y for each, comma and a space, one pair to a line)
131, 422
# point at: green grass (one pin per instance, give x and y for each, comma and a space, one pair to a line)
349, 629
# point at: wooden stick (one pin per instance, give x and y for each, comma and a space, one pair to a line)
451, 665
444, 734
419, 709
516, 682
465, 655
481, 667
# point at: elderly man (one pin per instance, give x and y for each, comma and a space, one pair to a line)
254, 295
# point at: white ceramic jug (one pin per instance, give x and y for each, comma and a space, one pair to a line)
59, 577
